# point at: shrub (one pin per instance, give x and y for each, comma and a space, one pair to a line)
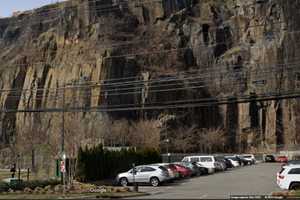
40, 183
20, 185
3, 187
97, 163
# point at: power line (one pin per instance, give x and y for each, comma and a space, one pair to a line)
179, 79
211, 102
236, 84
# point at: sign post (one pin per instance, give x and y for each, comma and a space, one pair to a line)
136, 187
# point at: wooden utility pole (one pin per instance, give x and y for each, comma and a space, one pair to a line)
63, 135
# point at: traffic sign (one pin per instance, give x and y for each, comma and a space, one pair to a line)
62, 166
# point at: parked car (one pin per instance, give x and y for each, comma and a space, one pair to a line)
250, 158
228, 163
234, 161
225, 163
242, 161
204, 170
220, 165
173, 172
289, 177
192, 166
183, 171
205, 161
292, 162
153, 174
270, 158
282, 159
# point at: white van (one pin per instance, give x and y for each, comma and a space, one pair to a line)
208, 162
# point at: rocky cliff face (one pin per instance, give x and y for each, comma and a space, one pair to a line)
242, 47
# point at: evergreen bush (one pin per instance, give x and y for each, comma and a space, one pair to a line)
98, 163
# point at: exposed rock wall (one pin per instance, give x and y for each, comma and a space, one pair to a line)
79, 42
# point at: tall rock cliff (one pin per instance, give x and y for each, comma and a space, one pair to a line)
234, 48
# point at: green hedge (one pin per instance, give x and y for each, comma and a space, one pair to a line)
98, 164
4, 187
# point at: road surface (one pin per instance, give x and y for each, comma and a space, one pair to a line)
259, 179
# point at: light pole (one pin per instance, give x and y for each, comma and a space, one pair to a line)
63, 155
163, 121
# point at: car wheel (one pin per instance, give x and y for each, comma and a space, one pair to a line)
154, 181
123, 182
294, 186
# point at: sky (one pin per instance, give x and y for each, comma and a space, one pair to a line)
7, 7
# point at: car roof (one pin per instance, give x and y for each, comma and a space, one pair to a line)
292, 166
151, 165
198, 156
161, 164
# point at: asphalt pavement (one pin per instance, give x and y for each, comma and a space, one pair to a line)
259, 179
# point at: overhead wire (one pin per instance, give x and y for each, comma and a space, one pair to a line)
211, 102
169, 81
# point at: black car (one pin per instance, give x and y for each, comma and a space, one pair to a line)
242, 161
224, 160
270, 158
228, 163
202, 170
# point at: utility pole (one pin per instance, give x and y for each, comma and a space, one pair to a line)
63, 123
63, 156
163, 121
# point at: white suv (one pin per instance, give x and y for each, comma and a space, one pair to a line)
152, 174
208, 162
289, 177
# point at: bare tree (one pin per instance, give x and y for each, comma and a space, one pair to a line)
211, 140
145, 134
30, 137
183, 140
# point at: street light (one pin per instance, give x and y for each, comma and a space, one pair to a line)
63, 170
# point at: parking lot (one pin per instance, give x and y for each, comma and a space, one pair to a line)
259, 179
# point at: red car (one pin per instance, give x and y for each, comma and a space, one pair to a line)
183, 171
282, 159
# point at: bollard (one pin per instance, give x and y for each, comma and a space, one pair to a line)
19, 174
